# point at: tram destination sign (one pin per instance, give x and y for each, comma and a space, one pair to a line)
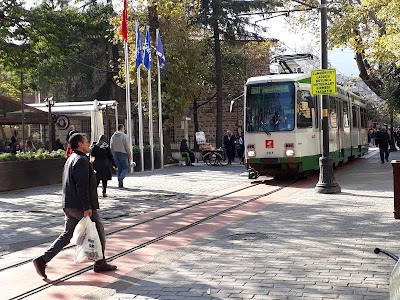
323, 82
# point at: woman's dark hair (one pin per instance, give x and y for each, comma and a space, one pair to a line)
75, 139
184, 142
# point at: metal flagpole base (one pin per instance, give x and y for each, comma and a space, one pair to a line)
326, 183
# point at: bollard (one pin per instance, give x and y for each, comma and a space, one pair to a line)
396, 187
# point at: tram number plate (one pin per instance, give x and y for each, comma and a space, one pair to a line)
269, 143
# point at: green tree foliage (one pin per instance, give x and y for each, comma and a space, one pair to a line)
9, 83
60, 48
370, 28
226, 19
185, 52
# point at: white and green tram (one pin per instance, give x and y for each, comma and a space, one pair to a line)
282, 131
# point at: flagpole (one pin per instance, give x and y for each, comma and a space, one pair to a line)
140, 113
128, 101
150, 121
160, 122
124, 33
151, 142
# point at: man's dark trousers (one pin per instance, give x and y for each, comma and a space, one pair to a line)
384, 152
72, 218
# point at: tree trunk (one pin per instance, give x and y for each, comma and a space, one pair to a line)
196, 123
363, 67
167, 143
218, 75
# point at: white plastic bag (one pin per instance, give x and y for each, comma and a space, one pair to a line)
80, 232
90, 249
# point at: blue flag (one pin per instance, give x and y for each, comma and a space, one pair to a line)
147, 50
160, 53
139, 55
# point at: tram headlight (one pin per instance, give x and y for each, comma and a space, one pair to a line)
251, 153
289, 152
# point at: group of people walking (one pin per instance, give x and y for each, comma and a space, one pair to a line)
81, 179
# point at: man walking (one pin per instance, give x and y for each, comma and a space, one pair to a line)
382, 140
80, 200
229, 144
122, 153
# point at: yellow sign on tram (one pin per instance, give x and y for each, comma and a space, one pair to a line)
323, 82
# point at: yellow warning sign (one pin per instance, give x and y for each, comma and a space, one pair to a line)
323, 82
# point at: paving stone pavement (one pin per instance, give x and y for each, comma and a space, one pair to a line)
311, 246
34, 216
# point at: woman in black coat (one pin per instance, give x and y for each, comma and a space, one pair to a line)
103, 162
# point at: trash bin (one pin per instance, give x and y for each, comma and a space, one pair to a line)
396, 187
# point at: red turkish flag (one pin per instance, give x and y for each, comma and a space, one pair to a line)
124, 28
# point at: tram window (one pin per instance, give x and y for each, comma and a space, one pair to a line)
304, 112
364, 120
332, 112
354, 115
270, 107
340, 113
346, 122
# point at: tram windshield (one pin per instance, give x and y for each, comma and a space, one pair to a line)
270, 107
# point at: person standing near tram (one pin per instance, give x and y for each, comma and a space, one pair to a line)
382, 140
229, 144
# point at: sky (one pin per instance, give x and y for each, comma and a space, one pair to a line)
340, 59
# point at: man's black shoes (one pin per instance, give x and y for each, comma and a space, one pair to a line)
103, 266
40, 267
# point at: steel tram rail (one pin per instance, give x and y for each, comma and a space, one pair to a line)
152, 241
143, 222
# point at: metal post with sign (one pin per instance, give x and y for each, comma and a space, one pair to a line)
324, 85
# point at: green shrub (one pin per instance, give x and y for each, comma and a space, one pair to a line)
146, 148
39, 154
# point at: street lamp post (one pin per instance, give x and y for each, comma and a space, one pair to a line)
50, 103
326, 183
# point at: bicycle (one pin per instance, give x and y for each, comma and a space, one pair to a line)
215, 157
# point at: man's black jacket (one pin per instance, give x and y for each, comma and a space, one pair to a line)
79, 183
382, 139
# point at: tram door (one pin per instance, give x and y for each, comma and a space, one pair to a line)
334, 139
340, 128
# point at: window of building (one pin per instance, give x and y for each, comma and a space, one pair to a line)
172, 132
86, 127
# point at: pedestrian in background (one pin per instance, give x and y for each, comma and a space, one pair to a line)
79, 199
185, 148
58, 145
14, 138
30, 147
71, 131
240, 148
15, 148
382, 140
103, 162
229, 144
121, 150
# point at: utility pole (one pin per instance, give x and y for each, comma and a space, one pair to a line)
326, 183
